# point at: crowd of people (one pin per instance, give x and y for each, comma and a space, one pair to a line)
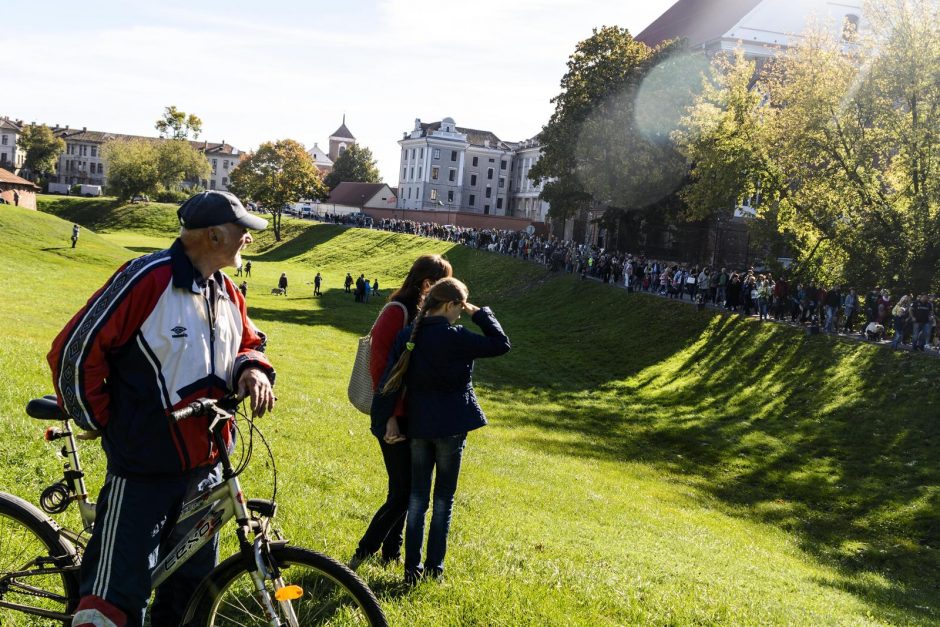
877, 315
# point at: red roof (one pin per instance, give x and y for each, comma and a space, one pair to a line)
697, 21
9, 178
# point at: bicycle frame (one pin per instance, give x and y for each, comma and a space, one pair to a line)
217, 505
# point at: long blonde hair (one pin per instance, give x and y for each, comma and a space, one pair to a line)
446, 290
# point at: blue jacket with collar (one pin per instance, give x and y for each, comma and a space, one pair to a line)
439, 390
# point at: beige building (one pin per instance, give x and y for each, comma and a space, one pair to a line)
83, 163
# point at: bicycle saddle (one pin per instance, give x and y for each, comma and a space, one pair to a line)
45, 408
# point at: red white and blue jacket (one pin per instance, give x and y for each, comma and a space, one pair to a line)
148, 343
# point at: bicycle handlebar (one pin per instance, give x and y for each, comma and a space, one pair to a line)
202, 406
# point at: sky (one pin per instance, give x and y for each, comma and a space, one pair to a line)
261, 71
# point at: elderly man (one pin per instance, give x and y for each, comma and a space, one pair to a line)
166, 329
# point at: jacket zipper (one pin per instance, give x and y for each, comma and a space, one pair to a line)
210, 310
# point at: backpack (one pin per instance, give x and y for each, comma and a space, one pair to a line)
360, 380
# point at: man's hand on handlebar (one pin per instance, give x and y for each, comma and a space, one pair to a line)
254, 383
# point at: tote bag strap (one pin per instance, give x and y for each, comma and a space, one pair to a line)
387, 305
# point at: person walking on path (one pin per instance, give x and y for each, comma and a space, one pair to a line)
385, 530
433, 359
317, 281
238, 270
75, 231
282, 283
243, 288
348, 282
140, 348
248, 268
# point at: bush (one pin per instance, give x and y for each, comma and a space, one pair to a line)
171, 195
75, 190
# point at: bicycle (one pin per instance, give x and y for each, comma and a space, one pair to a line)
266, 582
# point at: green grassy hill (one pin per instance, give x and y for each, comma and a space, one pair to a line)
645, 462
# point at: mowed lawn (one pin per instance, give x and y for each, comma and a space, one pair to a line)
645, 463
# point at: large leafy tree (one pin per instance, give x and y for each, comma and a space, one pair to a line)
599, 68
42, 149
133, 166
177, 124
355, 164
844, 146
178, 161
277, 174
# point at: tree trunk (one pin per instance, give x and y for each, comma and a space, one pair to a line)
276, 222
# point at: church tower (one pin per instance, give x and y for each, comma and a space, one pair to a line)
340, 140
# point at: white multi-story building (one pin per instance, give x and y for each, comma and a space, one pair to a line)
11, 156
462, 169
761, 27
524, 199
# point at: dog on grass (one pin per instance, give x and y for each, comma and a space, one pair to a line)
278, 291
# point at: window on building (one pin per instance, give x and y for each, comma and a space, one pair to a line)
412, 173
450, 195
486, 209
489, 173
419, 172
94, 151
225, 165
215, 163
421, 154
437, 153
3, 157
453, 155
850, 28
404, 174
409, 193
499, 203
473, 179
100, 168
418, 193
502, 181
224, 180
412, 153
473, 200
435, 172
6, 140
433, 194
212, 184
492, 160
502, 164
489, 191
476, 161
452, 174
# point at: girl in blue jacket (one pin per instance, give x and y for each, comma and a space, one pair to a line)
433, 361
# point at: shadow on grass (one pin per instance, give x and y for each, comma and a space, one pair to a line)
144, 250
832, 441
310, 237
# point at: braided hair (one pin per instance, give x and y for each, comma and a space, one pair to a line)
446, 290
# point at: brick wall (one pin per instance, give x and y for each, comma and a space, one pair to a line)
27, 196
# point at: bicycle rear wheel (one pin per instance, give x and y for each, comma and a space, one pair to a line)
35, 587
330, 594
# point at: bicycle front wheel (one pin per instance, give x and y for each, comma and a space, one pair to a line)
327, 593
38, 580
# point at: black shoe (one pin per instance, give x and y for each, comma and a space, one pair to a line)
412, 578
436, 574
357, 559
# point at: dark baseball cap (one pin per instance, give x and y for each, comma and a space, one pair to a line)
213, 208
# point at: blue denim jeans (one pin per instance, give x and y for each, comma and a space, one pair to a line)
444, 454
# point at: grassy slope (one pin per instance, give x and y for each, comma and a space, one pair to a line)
645, 462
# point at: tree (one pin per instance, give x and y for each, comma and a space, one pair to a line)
42, 149
178, 161
178, 125
355, 164
721, 136
133, 166
599, 68
854, 140
277, 174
